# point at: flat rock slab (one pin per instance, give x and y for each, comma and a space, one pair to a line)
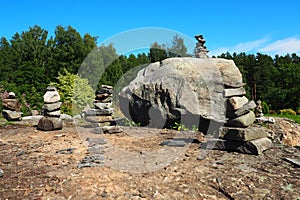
32, 120
52, 113
255, 147
99, 119
50, 124
173, 143
11, 104
98, 112
52, 106
241, 134
12, 115
242, 121
234, 92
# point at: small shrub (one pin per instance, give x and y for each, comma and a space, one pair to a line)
265, 107
287, 112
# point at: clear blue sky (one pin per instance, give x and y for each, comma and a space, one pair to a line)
250, 26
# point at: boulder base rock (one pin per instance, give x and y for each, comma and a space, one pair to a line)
179, 87
12, 115
50, 124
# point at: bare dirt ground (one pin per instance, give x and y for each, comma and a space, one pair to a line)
138, 167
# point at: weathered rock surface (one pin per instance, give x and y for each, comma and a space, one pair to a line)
241, 111
50, 124
230, 92
55, 113
242, 121
99, 119
241, 134
234, 103
11, 104
52, 106
179, 89
51, 97
96, 112
255, 147
12, 115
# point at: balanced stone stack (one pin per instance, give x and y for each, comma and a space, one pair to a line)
51, 120
12, 108
201, 51
102, 112
238, 134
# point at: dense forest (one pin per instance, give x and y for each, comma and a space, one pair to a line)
32, 60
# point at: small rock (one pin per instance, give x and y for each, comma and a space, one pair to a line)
51, 88
51, 97
12, 115
52, 113
66, 117
52, 106
1, 173
11, 104
241, 134
234, 103
242, 121
173, 143
99, 119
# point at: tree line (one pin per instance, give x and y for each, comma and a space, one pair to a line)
31, 60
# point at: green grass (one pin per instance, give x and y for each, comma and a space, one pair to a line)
296, 118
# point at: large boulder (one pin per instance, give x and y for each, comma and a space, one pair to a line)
188, 90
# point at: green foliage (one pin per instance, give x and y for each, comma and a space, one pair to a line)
287, 112
265, 107
75, 92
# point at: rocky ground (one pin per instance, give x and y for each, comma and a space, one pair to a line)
44, 165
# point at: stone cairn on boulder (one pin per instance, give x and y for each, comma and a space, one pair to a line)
12, 108
201, 51
101, 114
238, 134
51, 120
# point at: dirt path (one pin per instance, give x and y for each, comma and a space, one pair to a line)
44, 165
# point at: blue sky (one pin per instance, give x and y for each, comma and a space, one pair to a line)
270, 27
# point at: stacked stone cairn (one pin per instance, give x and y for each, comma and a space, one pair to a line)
201, 51
239, 134
102, 113
51, 112
12, 108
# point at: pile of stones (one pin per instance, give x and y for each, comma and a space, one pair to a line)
12, 106
102, 114
51, 112
201, 51
239, 133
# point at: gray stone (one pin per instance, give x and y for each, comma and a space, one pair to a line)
32, 120
50, 124
174, 143
51, 97
102, 106
241, 134
52, 106
254, 147
12, 115
66, 117
177, 87
1, 173
230, 92
111, 129
242, 121
52, 113
11, 95
235, 103
245, 108
97, 112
